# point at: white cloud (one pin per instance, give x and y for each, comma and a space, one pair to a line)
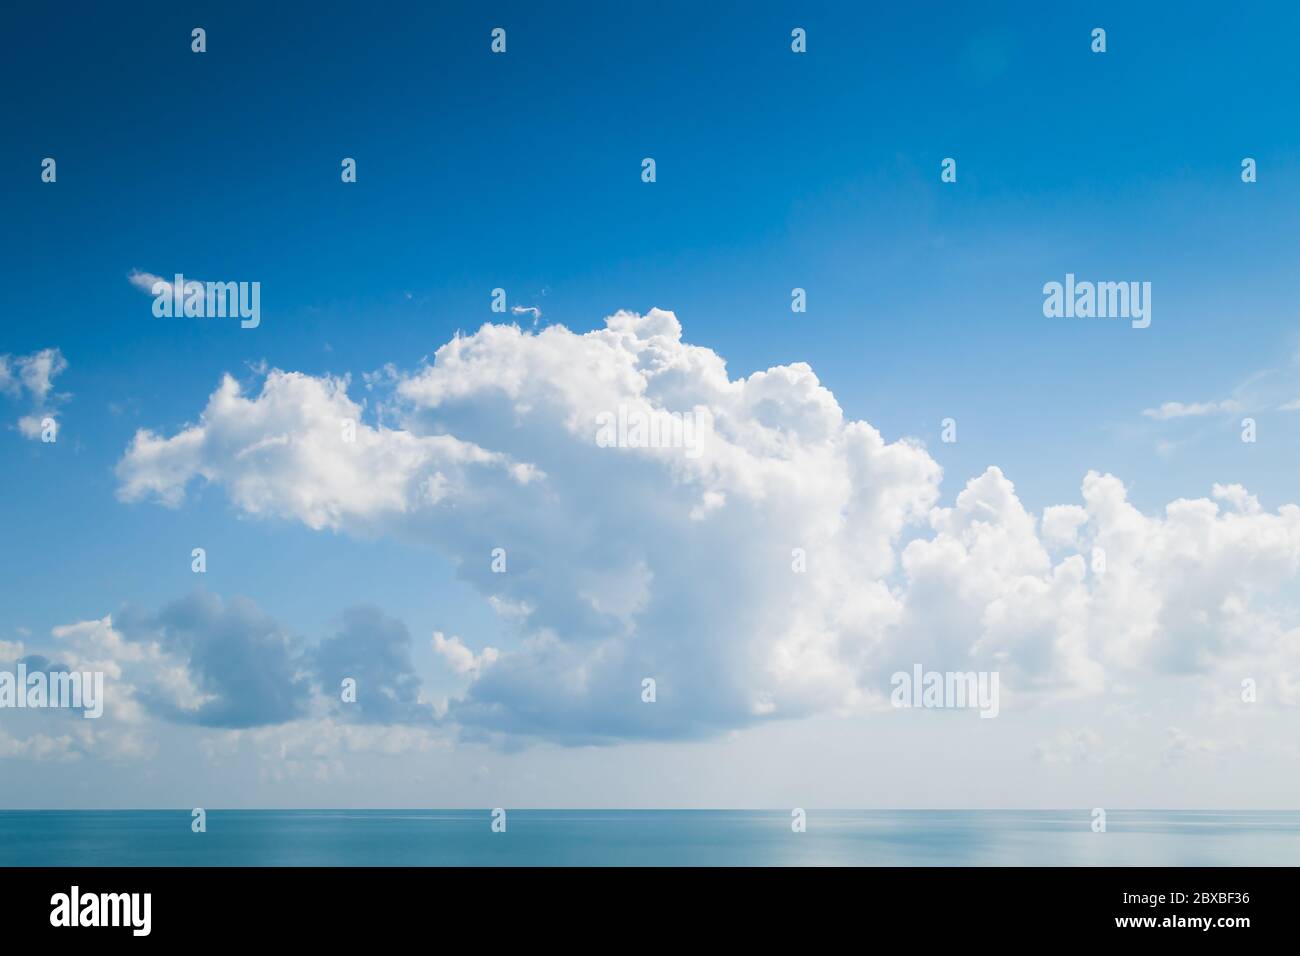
147, 281
226, 664
37, 372
1061, 524
119, 732
156, 285
295, 430
1191, 409
634, 562
460, 658
33, 376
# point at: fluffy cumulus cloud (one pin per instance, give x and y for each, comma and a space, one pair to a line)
374, 651
119, 731
235, 665
460, 658
305, 429
30, 379
634, 512
228, 666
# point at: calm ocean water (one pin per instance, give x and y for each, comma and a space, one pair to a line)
648, 838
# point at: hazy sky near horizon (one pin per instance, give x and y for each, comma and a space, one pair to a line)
475, 430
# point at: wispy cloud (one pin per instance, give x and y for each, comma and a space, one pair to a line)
156, 285
33, 375
1192, 409
532, 310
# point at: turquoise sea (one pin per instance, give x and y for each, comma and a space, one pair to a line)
649, 838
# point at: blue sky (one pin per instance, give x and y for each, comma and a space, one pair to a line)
522, 171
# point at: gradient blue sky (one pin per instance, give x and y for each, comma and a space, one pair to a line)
523, 171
